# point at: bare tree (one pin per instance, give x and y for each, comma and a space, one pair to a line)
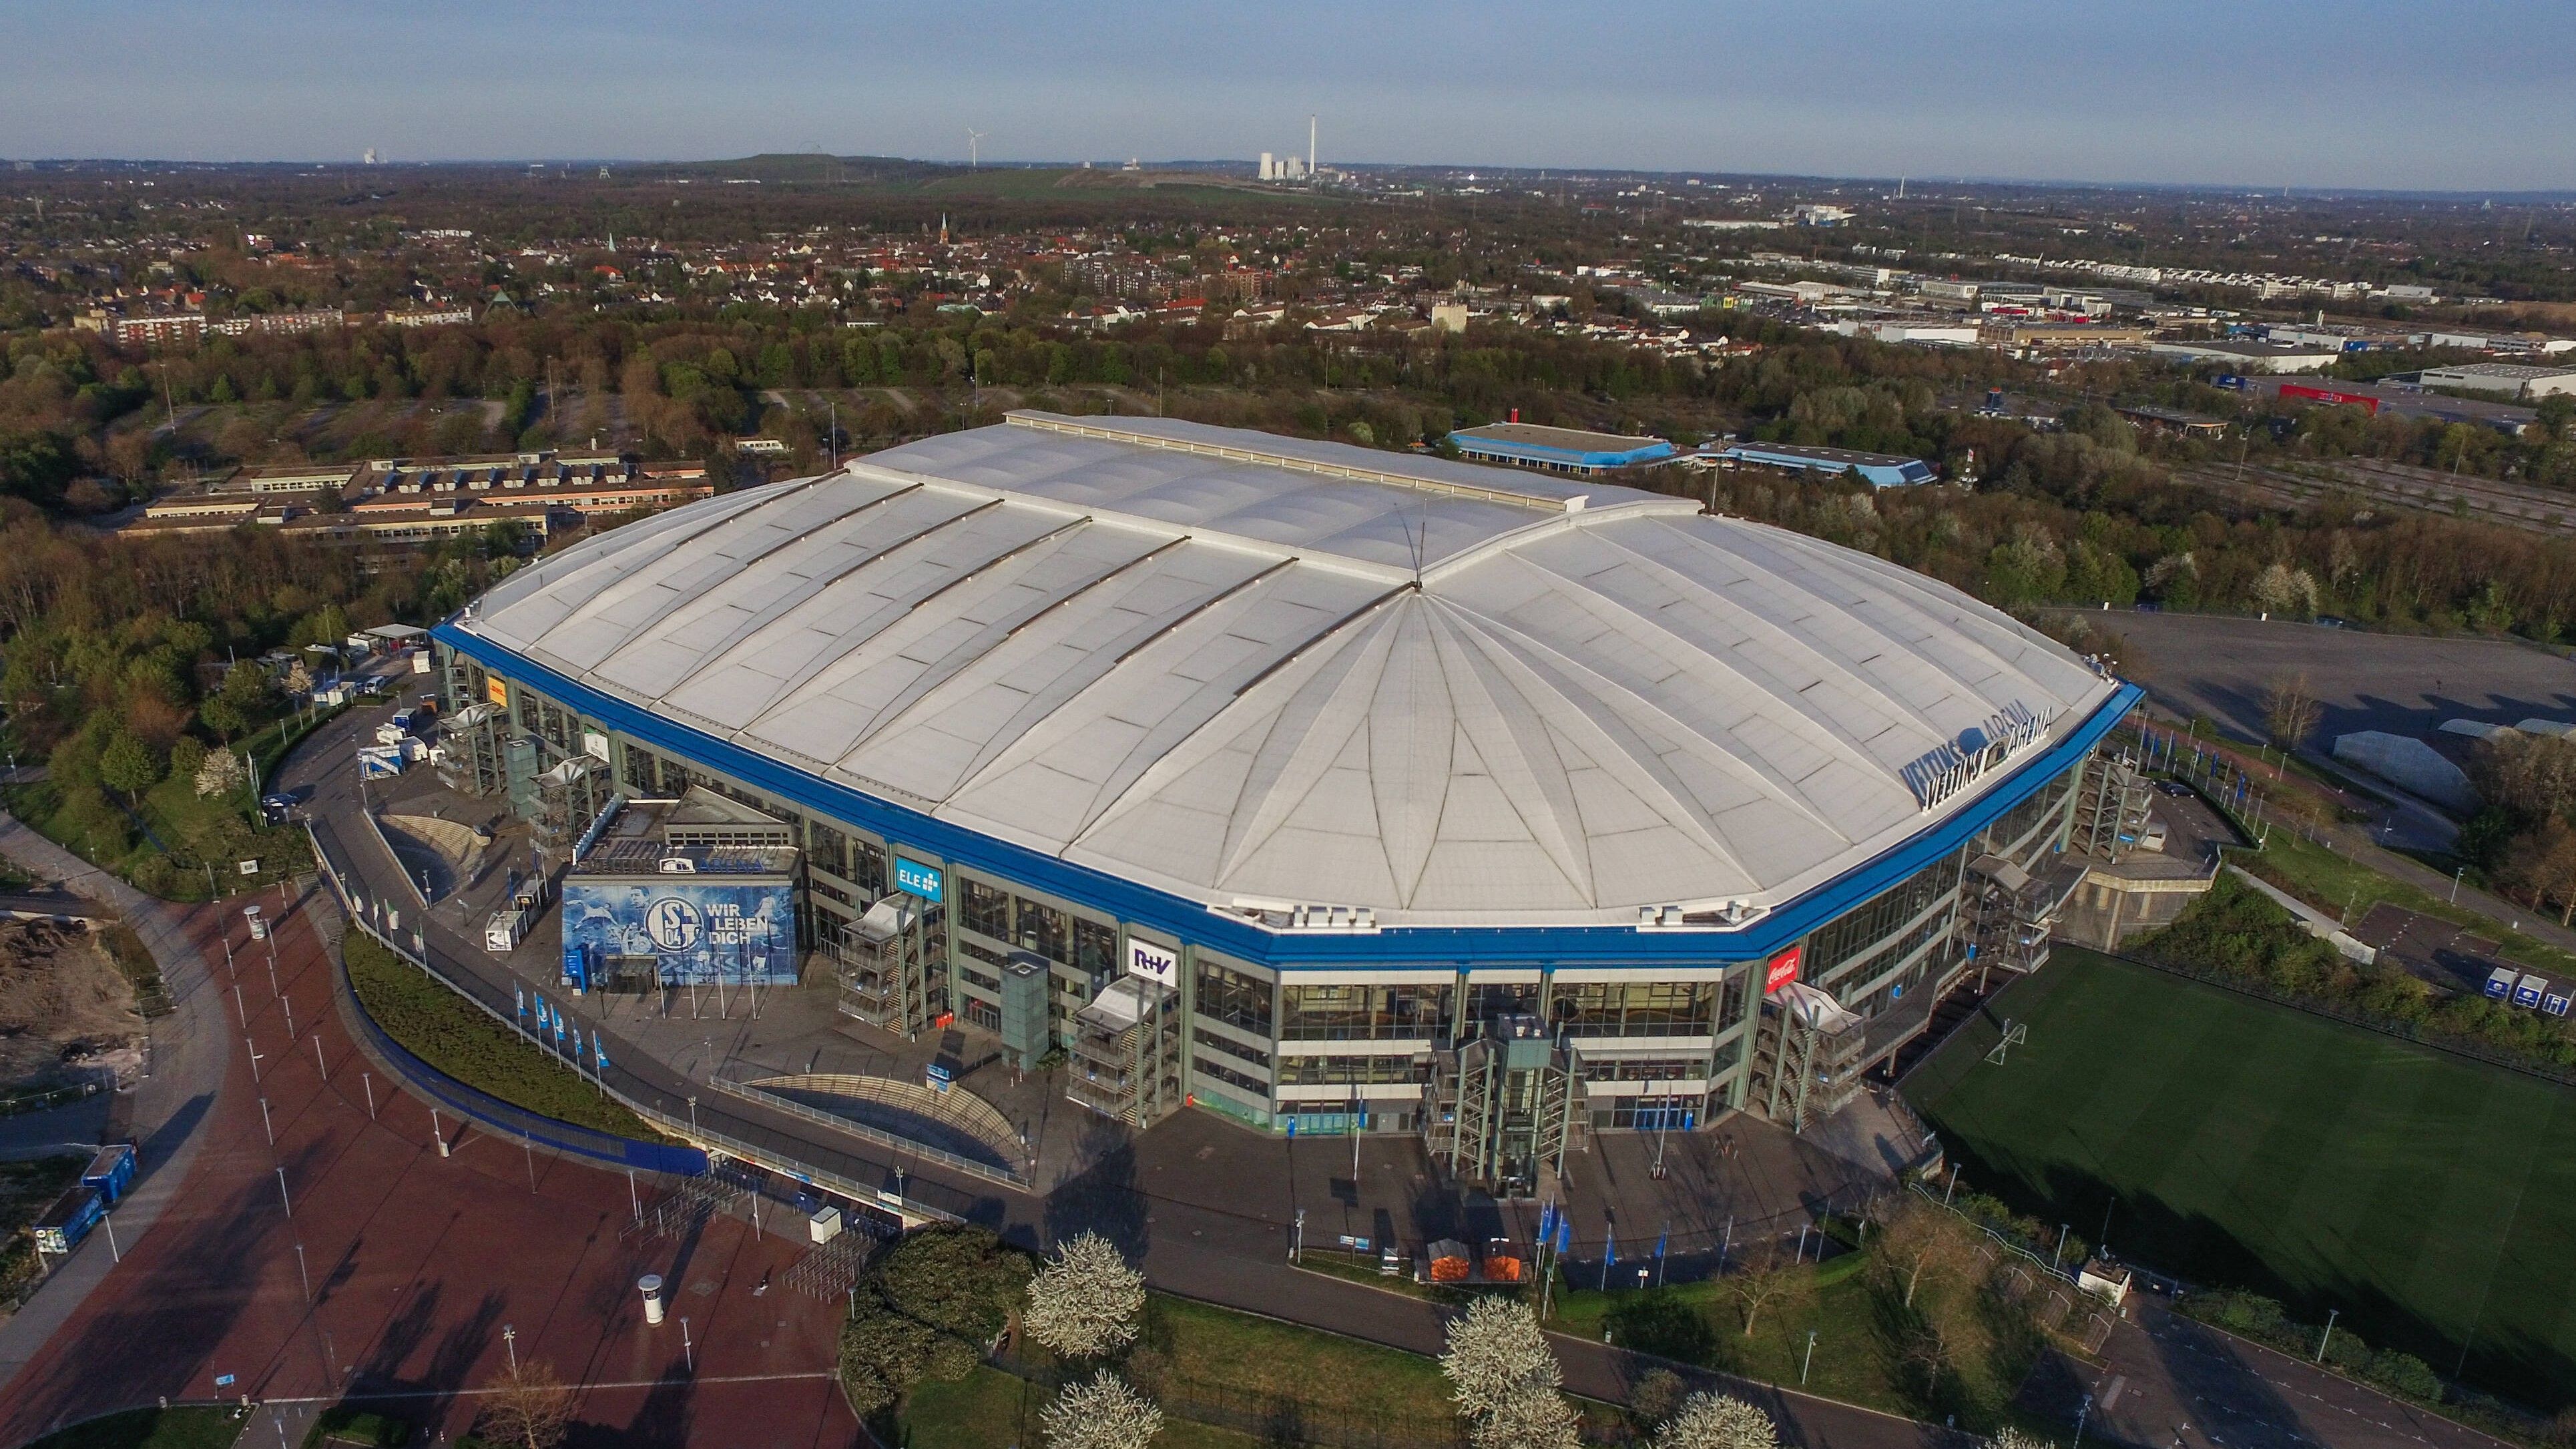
1715, 1421
1085, 1302
2544, 862
1919, 1240
1766, 1280
1100, 1412
528, 1407
2290, 709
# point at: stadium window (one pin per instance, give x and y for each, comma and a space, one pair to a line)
643, 771
1372, 1071
1230, 1077
1633, 1008
985, 910
1095, 946
868, 867
828, 848
1361, 1013
1042, 929
1487, 1000
1240, 1001
1230, 1047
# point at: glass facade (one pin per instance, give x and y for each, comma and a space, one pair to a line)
1361, 1013
1633, 1008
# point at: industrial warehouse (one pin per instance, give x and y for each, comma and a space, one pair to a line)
1330, 789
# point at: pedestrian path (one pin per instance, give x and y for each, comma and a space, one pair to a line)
184, 1069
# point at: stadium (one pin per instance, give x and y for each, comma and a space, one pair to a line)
1329, 788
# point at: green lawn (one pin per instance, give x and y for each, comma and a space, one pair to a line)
2429, 1199
187, 1427
1850, 1361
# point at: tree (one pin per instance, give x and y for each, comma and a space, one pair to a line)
1533, 1418
2290, 709
127, 765
1101, 1412
1084, 1303
1767, 1279
2011, 1438
527, 1408
2543, 862
1715, 1421
221, 774
1919, 1241
1658, 1396
1492, 1354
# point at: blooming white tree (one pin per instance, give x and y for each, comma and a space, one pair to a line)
1534, 1418
221, 774
2011, 1438
1715, 1421
1085, 1302
1100, 1412
1504, 1380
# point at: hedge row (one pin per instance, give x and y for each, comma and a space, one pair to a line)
455, 1036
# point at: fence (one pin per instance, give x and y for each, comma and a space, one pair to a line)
752, 1092
2354, 1016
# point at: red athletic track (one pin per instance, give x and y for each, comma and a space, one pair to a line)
418, 1262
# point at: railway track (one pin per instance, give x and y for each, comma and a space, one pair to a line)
2396, 485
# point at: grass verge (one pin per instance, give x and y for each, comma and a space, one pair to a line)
186, 1427
455, 1036
2336, 883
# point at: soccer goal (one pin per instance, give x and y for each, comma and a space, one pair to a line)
2015, 1033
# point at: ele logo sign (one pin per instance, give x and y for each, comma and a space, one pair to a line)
914, 878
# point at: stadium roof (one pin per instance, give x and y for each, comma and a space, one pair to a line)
1260, 673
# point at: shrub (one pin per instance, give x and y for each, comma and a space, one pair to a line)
2404, 1373
453, 1035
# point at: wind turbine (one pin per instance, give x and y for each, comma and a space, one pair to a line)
974, 139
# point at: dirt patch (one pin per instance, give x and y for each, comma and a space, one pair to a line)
64, 1006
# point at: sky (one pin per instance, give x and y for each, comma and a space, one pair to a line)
2462, 95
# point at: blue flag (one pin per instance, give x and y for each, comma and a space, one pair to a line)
1564, 1233
1660, 1240
598, 1054
521, 996
1546, 1222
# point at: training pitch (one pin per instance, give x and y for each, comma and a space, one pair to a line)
2431, 1200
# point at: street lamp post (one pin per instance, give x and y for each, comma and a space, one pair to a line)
510, 1341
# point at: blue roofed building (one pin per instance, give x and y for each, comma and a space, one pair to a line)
1879, 470
1572, 451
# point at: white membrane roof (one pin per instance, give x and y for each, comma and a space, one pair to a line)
1251, 670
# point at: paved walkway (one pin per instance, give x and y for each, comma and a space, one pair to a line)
324, 1245
2166, 1379
164, 1113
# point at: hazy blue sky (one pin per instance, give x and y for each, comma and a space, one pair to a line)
2468, 94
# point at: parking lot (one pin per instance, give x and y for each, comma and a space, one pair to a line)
2405, 684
